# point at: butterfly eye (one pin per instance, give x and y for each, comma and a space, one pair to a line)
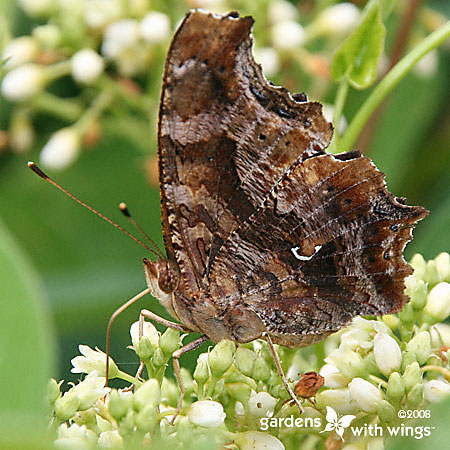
168, 277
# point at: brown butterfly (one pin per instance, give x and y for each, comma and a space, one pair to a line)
266, 234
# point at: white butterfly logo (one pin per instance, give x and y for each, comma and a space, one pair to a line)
335, 424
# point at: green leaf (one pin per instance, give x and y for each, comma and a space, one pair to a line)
357, 58
26, 347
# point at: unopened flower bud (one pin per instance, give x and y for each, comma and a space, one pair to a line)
391, 320
206, 413
119, 403
287, 35
53, 391
412, 376
281, 11
440, 335
147, 394
415, 396
48, 36
435, 391
420, 345
201, 372
417, 290
169, 341
418, 263
349, 363
119, 36
23, 82
93, 360
220, 357
87, 66
61, 150
22, 133
257, 440
155, 27
365, 394
339, 399
388, 355
239, 391
146, 419
67, 405
19, 51
37, 8
170, 392
110, 440
243, 360
333, 378
438, 302
385, 411
395, 388
260, 369
431, 273
261, 403
337, 19
158, 358
443, 266
148, 342
407, 315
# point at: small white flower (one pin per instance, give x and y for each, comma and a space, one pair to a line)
19, 51
98, 13
23, 82
93, 360
155, 27
365, 394
261, 403
333, 378
428, 65
119, 36
257, 440
148, 330
288, 35
90, 390
440, 335
338, 19
443, 266
75, 437
61, 150
438, 302
335, 424
269, 60
282, 11
37, 8
387, 353
87, 66
110, 440
348, 362
206, 413
435, 391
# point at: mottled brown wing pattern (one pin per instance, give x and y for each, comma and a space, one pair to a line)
326, 246
226, 138
268, 231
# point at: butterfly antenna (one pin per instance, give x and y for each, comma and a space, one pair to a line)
43, 175
125, 211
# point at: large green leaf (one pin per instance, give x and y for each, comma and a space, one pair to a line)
26, 347
357, 58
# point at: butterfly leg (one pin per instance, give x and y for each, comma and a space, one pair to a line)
281, 373
167, 323
176, 366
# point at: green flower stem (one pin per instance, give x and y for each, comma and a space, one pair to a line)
341, 97
58, 70
390, 81
126, 377
378, 380
442, 370
70, 110
101, 102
